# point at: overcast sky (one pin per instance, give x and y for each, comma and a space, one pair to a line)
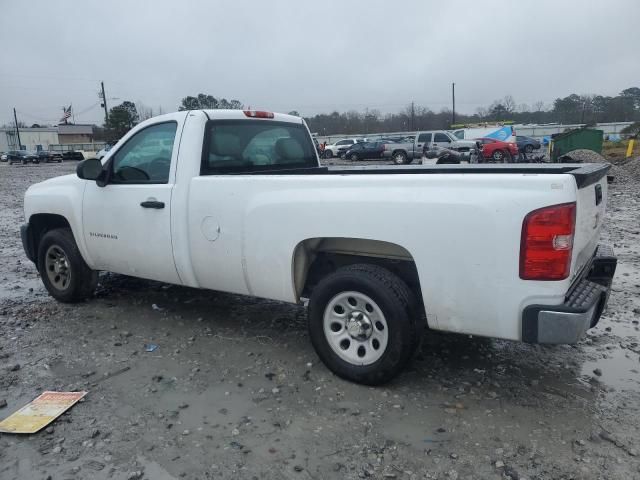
310, 56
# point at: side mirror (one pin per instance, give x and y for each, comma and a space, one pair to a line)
90, 169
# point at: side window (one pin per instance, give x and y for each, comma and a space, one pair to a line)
344, 142
424, 138
146, 157
441, 137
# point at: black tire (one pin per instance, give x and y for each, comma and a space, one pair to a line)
404, 322
528, 148
498, 156
328, 154
82, 280
354, 157
399, 157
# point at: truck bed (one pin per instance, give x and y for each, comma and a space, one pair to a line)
584, 173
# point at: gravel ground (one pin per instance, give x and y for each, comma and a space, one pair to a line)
234, 389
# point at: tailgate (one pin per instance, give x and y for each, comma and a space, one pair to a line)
591, 181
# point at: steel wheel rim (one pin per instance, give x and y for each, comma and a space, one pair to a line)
57, 266
355, 328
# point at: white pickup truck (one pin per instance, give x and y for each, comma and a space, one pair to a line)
237, 201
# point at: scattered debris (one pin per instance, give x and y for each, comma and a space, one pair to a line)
40, 412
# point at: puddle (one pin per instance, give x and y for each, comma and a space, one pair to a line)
620, 370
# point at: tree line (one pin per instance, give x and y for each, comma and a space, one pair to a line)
583, 109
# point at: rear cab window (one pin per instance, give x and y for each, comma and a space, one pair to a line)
246, 146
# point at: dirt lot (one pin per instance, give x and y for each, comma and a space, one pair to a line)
234, 389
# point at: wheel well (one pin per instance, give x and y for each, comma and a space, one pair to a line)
399, 150
41, 223
315, 258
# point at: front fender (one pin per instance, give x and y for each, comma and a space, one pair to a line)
59, 196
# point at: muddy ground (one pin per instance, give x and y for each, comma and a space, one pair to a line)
234, 389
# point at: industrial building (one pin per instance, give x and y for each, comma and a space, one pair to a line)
45, 138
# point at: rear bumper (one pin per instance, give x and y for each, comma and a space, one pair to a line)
581, 310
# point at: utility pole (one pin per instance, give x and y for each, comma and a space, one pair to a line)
104, 104
413, 114
15, 117
453, 97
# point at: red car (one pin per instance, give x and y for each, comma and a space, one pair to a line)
498, 151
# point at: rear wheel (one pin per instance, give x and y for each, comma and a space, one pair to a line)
498, 156
528, 148
363, 323
64, 272
328, 154
399, 158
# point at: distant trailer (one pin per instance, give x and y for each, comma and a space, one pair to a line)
505, 133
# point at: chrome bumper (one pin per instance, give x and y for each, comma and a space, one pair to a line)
581, 310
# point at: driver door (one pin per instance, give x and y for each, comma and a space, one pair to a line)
127, 223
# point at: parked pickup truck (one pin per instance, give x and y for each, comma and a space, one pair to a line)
403, 153
237, 201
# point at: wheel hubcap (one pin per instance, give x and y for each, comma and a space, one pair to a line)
355, 328
57, 266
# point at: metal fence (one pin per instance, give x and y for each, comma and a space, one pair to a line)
534, 131
86, 147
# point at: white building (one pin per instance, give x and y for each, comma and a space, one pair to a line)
30, 138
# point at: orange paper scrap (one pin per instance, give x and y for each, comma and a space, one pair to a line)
41, 412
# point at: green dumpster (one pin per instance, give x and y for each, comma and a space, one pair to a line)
581, 138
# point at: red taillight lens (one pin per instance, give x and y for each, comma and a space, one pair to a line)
547, 242
258, 114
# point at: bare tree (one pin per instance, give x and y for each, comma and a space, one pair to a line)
538, 106
509, 104
144, 112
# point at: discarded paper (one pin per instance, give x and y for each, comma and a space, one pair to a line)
41, 412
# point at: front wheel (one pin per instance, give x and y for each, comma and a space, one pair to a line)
354, 157
64, 272
363, 323
528, 149
328, 154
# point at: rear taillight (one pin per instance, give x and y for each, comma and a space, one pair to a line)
547, 242
258, 114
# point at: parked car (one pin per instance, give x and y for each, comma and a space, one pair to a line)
101, 153
406, 151
340, 147
22, 156
498, 151
73, 155
4, 157
494, 253
527, 144
364, 150
48, 156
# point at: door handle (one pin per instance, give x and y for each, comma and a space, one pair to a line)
152, 204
